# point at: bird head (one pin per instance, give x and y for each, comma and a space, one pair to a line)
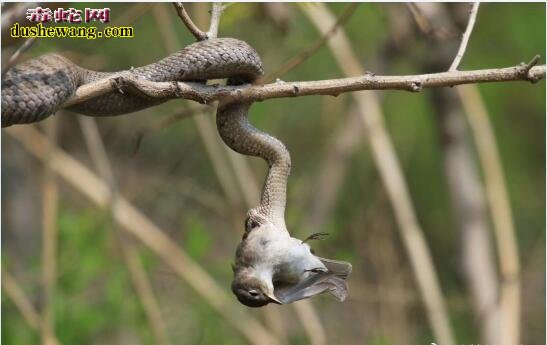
253, 291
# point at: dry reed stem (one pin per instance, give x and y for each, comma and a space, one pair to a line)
130, 254
18, 53
145, 292
309, 51
248, 186
142, 228
330, 177
23, 304
506, 329
214, 149
50, 207
471, 214
500, 209
386, 161
468, 195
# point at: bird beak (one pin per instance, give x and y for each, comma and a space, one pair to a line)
273, 298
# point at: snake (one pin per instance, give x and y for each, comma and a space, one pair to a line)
36, 89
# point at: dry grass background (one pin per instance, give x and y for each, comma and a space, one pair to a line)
124, 230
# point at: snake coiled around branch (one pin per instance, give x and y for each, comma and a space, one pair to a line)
36, 89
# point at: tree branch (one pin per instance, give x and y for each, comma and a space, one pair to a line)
465, 38
209, 93
216, 12
183, 15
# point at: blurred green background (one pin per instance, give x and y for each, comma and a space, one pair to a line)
166, 172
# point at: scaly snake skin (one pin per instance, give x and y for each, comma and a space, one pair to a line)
36, 89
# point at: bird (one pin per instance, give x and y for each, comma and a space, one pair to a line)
273, 267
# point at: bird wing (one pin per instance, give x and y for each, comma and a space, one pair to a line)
341, 269
315, 284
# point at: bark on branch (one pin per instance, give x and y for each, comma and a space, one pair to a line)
209, 93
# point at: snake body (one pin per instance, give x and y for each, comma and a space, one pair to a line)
36, 89
241, 136
33, 90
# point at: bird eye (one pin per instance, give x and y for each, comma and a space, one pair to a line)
253, 293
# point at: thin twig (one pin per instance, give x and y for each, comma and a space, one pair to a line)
14, 291
183, 15
209, 93
300, 58
216, 13
465, 38
142, 228
15, 57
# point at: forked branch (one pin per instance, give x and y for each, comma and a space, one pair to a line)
216, 13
